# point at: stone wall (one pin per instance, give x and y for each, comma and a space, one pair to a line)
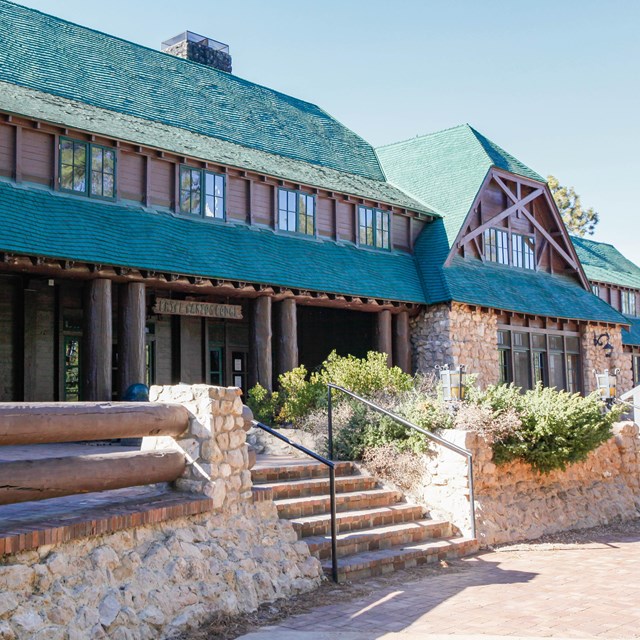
593, 357
158, 580
456, 334
514, 503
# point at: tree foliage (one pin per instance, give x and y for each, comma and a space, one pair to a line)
578, 220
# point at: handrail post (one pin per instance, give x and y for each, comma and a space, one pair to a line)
334, 531
472, 502
329, 424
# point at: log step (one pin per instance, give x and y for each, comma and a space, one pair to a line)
375, 563
318, 486
362, 541
313, 505
356, 520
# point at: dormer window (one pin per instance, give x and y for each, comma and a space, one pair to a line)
202, 193
496, 248
628, 303
373, 227
523, 251
87, 169
296, 211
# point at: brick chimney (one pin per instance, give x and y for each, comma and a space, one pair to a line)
197, 48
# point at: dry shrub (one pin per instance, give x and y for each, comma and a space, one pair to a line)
493, 426
404, 469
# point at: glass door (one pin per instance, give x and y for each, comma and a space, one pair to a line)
216, 366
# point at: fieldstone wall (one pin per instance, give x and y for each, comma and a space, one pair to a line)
456, 334
593, 357
263, 443
515, 503
156, 581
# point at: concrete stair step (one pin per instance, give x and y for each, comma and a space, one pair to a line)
297, 470
378, 538
319, 525
318, 486
375, 563
314, 505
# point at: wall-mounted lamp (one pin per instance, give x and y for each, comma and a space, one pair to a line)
607, 346
452, 382
607, 384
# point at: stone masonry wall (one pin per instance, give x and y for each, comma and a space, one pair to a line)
514, 503
456, 334
593, 357
156, 581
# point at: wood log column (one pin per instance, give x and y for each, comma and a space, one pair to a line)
383, 335
97, 338
131, 336
287, 345
261, 334
402, 342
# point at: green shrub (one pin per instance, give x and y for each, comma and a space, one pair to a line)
557, 428
265, 405
299, 396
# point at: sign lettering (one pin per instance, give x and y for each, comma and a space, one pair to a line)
202, 309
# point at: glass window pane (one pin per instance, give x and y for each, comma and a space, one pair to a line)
573, 369
66, 152
79, 153
185, 178
109, 161
556, 371
195, 201
291, 202
573, 345
108, 186
79, 183
538, 341
209, 184
96, 183
282, 199
66, 176
96, 159
209, 206
291, 219
521, 377
555, 343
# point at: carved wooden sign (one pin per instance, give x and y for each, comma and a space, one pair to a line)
202, 309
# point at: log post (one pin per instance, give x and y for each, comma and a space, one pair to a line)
261, 333
383, 334
402, 342
287, 344
131, 336
97, 341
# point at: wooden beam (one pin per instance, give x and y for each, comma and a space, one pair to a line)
287, 342
402, 341
383, 335
502, 215
40, 479
261, 335
25, 423
131, 336
97, 341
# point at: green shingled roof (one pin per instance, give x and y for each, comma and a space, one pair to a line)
60, 58
631, 336
445, 170
36, 221
604, 263
520, 290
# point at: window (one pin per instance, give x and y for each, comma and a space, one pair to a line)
595, 289
87, 169
523, 251
296, 211
373, 227
526, 359
496, 246
636, 370
202, 193
628, 302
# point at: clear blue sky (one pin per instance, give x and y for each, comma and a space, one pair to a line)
554, 83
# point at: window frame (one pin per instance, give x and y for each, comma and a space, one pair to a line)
628, 302
490, 244
378, 219
202, 187
298, 195
89, 148
595, 289
514, 250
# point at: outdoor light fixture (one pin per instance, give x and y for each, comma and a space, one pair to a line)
452, 382
607, 346
607, 383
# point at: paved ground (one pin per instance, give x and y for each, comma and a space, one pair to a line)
589, 588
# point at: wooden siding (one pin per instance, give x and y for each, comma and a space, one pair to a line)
37, 156
262, 202
131, 176
346, 221
162, 185
236, 198
191, 350
400, 233
7, 150
324, 217
163, 351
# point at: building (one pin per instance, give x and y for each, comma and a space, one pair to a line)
165, 220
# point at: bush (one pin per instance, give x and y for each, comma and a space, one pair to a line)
265, 405
557, 428
404, 469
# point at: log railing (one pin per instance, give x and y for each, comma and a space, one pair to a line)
48, 423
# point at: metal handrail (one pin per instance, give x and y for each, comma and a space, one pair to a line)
332, 490
441, 441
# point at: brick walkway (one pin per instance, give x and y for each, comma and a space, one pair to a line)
589, 590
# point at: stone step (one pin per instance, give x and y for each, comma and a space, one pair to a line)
375, 563
395, 535
314, 505
297, 470
357, 520
318, 486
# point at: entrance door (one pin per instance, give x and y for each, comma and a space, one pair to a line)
216, 369
71, 389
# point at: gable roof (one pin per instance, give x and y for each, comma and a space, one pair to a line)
602, 262
445, 170
57, 57
74, 228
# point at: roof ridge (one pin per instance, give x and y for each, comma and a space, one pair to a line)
424, 135
169, 55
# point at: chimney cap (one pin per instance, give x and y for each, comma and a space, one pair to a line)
190, 36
